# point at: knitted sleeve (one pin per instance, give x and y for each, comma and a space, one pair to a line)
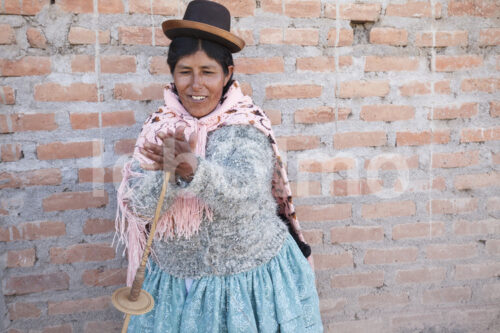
237, 169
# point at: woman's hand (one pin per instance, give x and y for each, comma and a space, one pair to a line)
176, 155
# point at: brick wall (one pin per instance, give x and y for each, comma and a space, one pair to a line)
386, 111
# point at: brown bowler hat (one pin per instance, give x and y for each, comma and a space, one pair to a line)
206, 20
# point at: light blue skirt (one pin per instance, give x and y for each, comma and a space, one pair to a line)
278, 296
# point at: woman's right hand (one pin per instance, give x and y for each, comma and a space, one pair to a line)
176, 155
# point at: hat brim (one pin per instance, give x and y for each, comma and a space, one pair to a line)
178, 28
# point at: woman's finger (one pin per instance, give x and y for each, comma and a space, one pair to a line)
179, 134
151, 156
154, 148
192, 141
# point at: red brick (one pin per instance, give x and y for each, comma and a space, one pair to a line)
273, 6
485, 270
7, 95
259, 65
77, 6
447, 295
73, 200
29, 7
455, 160
75, 92
305, 189
99, 175
160, 39
493, 246
495, 109
329, 306
304, 36
104, 277
388, 209
239, 8
479, 134
62, 150
322, 114
321, 63
330, 165
21, 258
359, 139
23, 310
135, 35
118, 118
98, 226
422, 138
313, 237
450, 251
418, 230
316, 213
67, 328
489, 36
483, 227
490, 291
484, 8
446, 63
160, 7
7, 35
423, 275
246, 89
81, 305
358, 12
28, 284
387, 112
138, 91
271, 36
390, 255
274, 116
386, 64
22, 122
489, 85
391, 162
349, 187
293, 91
30, 178
352, 234
303, 8
103, 326
32, 231
414, 9
124, 146
442, 38
464, 110
78, 35
332, 260
477, 180
246, 35
358, 280
414, 88
36, 38
158, 66
452, 206
345, 37
11, 152
493, 204
353, 89
358, 325
420, 185
389, 36
118, 64
81, 253
26, 66
110, 7
383, 300
297, 142
82, 63
84, 120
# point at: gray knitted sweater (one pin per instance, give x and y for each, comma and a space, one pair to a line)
234, 179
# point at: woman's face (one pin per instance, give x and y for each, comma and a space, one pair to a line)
199, 80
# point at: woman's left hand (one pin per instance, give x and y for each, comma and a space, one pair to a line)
176, 155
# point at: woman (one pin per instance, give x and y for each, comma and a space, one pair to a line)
225, 254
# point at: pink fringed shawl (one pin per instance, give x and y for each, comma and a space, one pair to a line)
184, 216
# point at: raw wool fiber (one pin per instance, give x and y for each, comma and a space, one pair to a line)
386, 113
